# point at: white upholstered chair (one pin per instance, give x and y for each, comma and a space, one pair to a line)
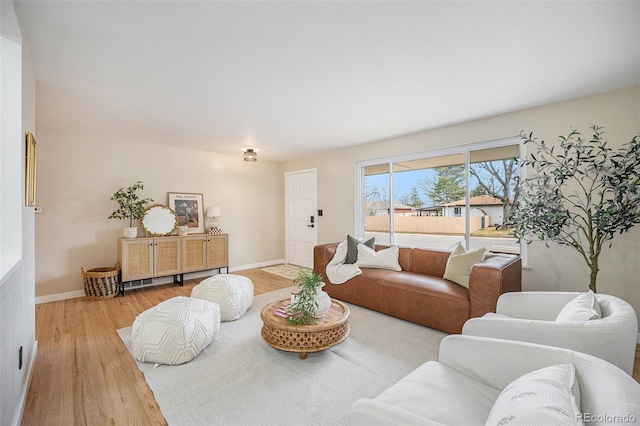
531, 317
463, 388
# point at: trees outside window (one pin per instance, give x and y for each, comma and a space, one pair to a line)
422, 200
447, 186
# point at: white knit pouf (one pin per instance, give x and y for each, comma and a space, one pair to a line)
234, 294
175, 331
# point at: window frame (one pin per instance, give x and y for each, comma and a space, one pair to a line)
464, 149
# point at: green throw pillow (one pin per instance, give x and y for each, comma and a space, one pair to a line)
352, 248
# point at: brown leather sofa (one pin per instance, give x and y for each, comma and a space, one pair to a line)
418, 293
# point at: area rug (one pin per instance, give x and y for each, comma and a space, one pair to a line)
241, 380
285, 271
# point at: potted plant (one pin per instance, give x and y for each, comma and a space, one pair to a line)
309, 302
580, 193
131, 207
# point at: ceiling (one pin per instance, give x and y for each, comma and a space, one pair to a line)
296, 78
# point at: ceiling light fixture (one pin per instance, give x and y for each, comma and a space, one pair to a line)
250, 155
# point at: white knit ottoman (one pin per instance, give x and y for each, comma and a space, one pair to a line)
234, 294
174, 331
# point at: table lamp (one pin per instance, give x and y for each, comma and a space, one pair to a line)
214, 214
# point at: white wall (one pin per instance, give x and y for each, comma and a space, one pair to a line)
78, 173
17, 300
556, 268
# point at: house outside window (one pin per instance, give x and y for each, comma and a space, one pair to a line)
443, 197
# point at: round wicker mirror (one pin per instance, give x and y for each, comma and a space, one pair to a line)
159, 220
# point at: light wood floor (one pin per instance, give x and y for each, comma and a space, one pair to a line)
84, 375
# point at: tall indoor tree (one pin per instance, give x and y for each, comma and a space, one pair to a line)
580, 193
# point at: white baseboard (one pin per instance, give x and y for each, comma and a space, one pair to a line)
59, 296
161, 280
257, 265
25, 391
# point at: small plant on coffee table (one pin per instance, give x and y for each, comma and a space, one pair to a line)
303, 310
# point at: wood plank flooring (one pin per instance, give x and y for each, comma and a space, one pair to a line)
84, 375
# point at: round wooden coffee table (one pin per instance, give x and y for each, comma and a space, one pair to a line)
328, 331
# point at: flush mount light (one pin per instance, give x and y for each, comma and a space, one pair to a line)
250, 154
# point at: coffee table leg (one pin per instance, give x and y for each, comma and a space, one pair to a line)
303, 355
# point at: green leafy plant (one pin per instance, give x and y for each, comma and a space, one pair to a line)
303, 310
131, 205
580, 193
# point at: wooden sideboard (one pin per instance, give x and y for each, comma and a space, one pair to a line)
152, 257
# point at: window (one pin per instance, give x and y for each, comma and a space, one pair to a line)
11, 155
439, 198
375, 202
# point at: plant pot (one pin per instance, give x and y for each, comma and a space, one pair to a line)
183, 230
131, 232
323, 300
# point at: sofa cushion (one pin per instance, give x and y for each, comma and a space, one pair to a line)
428, 262
584, 307
427, 392
543, 397
383, 259
460, 263
352, 248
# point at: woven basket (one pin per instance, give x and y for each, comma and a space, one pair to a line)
102, 283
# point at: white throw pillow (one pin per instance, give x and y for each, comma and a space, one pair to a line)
459, 265
543, 397
383, 259
584, 307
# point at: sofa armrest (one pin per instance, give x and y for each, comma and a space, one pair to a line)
489, 279
541, 305
497, 362
570, 335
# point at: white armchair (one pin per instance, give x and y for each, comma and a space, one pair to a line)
531, 317
464, 388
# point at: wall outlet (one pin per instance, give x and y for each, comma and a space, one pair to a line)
37, 209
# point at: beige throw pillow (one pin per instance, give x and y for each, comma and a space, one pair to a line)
459, 265
584, 307
383, 259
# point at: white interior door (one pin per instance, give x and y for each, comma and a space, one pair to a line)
301, 206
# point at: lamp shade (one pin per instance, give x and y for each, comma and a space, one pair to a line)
213, 212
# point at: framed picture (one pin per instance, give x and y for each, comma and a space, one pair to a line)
30, 170
190, 210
